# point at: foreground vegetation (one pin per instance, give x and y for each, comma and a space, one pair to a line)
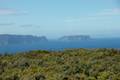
73, 64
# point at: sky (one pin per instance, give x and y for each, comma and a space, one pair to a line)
56, 18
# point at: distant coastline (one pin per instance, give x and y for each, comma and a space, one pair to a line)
75, 37
21, 43
6, 39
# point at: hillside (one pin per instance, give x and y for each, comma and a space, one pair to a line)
75, 37
6, 39
71, 64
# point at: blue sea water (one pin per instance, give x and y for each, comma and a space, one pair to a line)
60, 45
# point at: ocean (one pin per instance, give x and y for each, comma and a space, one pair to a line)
61, 45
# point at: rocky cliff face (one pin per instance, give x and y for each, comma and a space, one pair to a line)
6, 39
75, 38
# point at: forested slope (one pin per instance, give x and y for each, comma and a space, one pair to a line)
71, 64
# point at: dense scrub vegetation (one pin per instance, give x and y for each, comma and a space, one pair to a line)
71, 64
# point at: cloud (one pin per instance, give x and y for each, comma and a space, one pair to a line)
6, 24
29, 25
109, 12
5, 11
99, 15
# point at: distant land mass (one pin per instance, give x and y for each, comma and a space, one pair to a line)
6, 39
75, 37
20, 43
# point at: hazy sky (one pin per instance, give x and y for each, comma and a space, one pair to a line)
55, 18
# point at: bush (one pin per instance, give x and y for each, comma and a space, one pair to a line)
39, 77
78, 64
